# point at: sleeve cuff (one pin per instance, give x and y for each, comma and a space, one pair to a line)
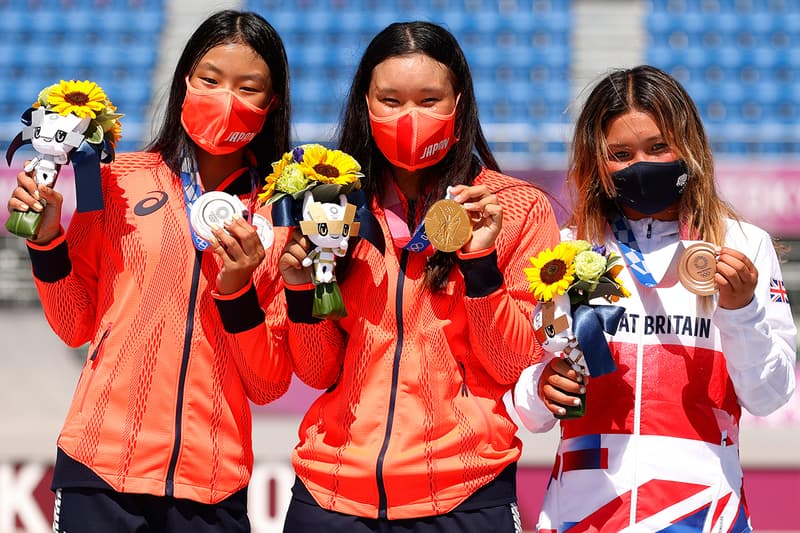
240, 311
300, 304
481, 275
50, 262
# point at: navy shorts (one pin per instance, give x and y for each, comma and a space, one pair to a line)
88, 510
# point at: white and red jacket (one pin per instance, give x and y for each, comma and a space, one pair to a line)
658, 445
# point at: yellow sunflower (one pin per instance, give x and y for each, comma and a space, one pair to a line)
329, 166
277, 169
81, 98
552, 272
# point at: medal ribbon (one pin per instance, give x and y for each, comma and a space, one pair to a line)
630, 251
191, 192
418, 242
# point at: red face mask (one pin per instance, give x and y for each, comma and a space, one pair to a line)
415, 138
219, 121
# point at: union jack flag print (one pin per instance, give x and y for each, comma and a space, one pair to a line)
777, 291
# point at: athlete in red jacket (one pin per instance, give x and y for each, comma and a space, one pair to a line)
411, 433
158, 436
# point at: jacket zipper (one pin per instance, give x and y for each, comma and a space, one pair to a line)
187, 348
398, 311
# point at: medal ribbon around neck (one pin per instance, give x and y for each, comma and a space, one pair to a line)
630, 251
192, 191
418, 241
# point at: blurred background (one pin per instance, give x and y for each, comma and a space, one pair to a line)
532, 61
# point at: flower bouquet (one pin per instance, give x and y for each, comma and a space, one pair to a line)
308, 187
63, 116
567, 281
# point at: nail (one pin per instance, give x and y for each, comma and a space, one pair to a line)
562, 411
582, 390
36, 194
576, 401
37, 206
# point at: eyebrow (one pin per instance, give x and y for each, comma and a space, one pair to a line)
251, 76
654, 138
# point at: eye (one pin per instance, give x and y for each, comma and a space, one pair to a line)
60, 136
550, 330
322, 229
660, 147
36, 131
620, 155
345, 230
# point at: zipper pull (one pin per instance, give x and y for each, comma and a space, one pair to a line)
649, 229
464, 389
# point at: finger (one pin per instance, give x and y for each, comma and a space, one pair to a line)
481, 210
740, 262
564, 368
297, 249
245, 235
26, 181
290, 261
560, 399
565, 384
49, 195
22, 200
735, 272
228, 244
466, 193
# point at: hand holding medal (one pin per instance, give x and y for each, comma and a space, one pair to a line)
470, 217
697, 267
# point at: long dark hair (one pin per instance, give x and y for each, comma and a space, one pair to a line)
224, 27
464, 160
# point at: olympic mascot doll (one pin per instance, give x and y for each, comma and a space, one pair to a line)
64, 116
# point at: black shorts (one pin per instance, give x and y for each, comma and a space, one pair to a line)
89, 510
482, 513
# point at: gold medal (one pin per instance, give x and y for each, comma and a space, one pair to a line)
697, 267
447, 225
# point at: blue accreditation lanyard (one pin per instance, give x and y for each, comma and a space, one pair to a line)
192, 191
630, 251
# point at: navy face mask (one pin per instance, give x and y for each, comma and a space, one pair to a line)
649, 187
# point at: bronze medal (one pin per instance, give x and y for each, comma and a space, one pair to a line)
447, 225
697, 267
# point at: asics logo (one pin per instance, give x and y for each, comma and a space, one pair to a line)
150, 204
